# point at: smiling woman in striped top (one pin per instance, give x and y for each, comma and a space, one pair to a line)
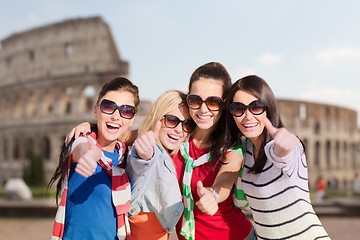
275, 178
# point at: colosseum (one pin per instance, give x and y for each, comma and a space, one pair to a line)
49, 80
49, 77
331, 137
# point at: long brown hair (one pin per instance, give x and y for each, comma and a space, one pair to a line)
215, 71
260, 89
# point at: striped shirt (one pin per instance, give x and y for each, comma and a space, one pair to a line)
279, 196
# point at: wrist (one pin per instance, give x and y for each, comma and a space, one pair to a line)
215, 194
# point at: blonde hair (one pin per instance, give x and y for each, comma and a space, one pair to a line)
167, 102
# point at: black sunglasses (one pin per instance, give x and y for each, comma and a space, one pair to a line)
213, 103
109, 107
171, 121
256, 107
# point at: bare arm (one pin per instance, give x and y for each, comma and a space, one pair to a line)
80, 129
222, 186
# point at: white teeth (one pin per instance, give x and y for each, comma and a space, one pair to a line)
250, 125
113, 125
204, 117
173, 137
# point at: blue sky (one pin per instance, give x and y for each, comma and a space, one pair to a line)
308, 50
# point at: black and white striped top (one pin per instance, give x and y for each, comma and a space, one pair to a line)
279, 196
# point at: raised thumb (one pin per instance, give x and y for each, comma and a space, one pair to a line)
200, 188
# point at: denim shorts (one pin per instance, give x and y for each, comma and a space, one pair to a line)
253, 235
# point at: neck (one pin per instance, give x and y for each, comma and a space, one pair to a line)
201, 137
257, 145
108, 146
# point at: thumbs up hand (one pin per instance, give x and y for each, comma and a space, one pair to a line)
207, 202
284, 140
87, 162
145, 143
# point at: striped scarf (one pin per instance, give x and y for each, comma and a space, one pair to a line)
188, 221
238, 195
120, 195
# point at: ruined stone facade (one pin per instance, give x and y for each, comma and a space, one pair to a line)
50, 77
49, 81
331, 137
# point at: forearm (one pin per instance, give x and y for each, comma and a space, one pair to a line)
224, 183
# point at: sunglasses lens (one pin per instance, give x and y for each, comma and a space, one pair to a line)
188, 125
127, 111
194, 101
171, 121
237, 109
213, 103
107, 106
257, 107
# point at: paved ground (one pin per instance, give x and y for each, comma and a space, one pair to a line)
340, 217
40, 228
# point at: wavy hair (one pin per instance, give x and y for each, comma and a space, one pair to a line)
257, 87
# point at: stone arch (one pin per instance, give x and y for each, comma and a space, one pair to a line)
345, 154
31, 105
45, 146
89, 96
337, 154
17, 110
328, 154
317, 154
66, 101
353, 156
47, 103
16, 153
317, 128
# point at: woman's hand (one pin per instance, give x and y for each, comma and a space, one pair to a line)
88, 157
207, 203
284, 141
145, 143
81, 129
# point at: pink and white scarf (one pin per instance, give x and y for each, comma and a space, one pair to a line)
121, 194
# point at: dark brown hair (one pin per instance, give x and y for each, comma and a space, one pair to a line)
260, 89
123, 84
114, 85
215, 71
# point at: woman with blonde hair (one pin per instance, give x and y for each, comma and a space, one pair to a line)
156, 202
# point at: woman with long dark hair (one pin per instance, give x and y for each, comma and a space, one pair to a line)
275, 178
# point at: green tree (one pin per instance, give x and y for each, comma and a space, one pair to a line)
34, 171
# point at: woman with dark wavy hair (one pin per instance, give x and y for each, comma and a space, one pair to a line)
275, 178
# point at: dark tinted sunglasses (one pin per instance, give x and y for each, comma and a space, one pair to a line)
213, 103
109, 107
256, 107
171, 121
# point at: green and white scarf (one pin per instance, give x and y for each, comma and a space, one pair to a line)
188, 221
238, 195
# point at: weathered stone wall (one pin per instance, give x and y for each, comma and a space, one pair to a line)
331, 136
49, 81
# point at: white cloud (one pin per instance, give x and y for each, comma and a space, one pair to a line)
270, 59
338, 54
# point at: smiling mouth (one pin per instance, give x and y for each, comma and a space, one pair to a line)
203, 117
112, 126
173, 137
250, 125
